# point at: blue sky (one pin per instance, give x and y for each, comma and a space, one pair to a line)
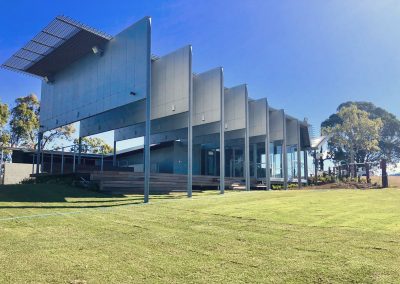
305, 56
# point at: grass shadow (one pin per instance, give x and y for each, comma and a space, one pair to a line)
54, 196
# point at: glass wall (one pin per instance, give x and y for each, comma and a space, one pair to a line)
276, 159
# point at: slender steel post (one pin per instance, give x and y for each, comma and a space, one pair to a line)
33, 163
2, 158
267, 161
2, 171
255, 159
79, 150
190, 131
298, 155
284, 154
102, 162
42, 162
115, 154
233, 172
73, 165
246, 144
306, 166
62, 160
148, 120
222, 137
316, 167
39, 148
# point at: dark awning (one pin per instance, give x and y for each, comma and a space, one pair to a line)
58, 45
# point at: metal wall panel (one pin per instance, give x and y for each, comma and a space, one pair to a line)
95, 84
170, 83
133, 131
235, 108
119, 117
276, 118
207, 94
166, 124
258, 117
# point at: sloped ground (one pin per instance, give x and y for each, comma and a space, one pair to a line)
66, 235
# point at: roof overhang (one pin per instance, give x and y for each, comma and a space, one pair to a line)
58, 45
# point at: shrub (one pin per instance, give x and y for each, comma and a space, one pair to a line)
28, 181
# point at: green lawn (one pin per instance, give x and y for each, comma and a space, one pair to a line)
68, 235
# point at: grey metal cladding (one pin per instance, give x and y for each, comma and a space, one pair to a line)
133, 131
235, 100
276, 118
166, 124
170, 83
291, 131
207, 94
95, 84
116, 118
258, 117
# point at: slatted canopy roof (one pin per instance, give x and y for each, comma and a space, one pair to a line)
58, 45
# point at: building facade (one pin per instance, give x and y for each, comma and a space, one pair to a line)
114, 83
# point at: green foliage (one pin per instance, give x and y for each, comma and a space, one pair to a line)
24, 123
276, 186
356, 137
60, 133
94, 145
389, 136
4, 116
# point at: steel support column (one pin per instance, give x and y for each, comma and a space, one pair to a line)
39, 149
247, 146
222, 139
284, 154
316, 167
190, 133
115, 154
62, 160
298, 155
79, 150
255, 159
148, 123
267, 161
306, 166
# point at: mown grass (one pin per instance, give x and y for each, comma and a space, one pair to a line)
336, 236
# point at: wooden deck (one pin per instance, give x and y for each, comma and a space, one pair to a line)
131, 182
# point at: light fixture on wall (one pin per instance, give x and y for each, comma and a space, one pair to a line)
97, 50
48, 79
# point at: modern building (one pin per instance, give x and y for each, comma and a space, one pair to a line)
202, 127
